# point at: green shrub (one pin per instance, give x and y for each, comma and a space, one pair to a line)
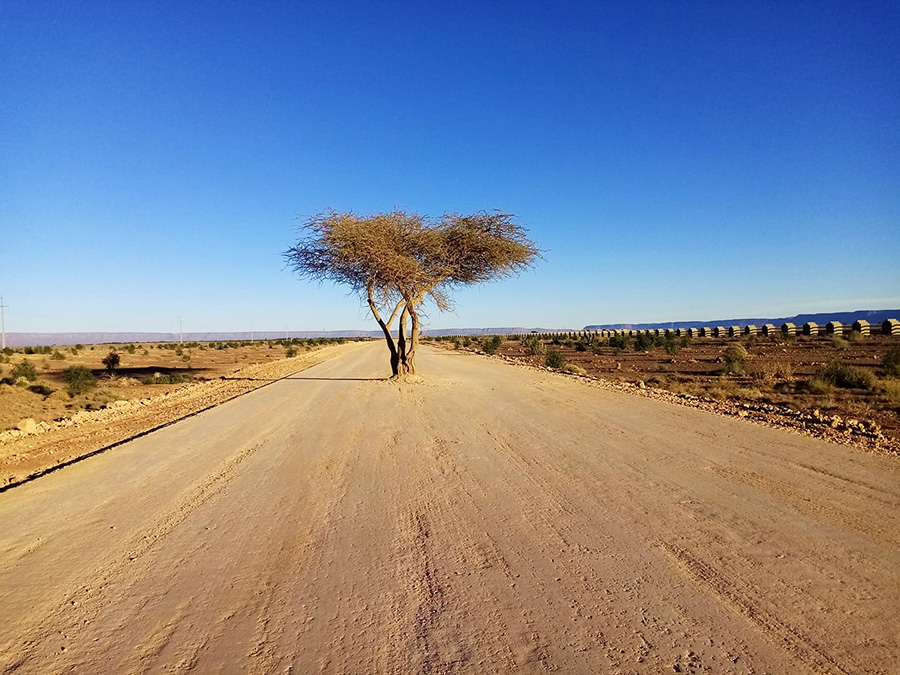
165, 378
534, 345
839, 343
555, 359
671, 344
24, 369
58, 356
619, 342
891, 389
643, 342
580, 347
575, 370
492, 344
290, 352
819, 385
79, 380
891, 361
847, 376
111, 361
736, 358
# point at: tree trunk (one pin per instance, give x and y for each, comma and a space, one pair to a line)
413, 342
386, 329
403, 367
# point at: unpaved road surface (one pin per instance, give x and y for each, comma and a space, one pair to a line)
488, 519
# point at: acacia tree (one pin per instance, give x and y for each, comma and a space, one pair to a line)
397, 261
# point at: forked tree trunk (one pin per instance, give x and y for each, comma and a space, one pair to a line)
413, 342
403, 366
386, 329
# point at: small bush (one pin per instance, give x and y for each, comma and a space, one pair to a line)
535, 346
619, 342
820, 386
575, 370
891, 389
25, 370
111, 361
847, 376
736, 358
671, 344
79, 380
555, 359
491, 345
165, 378
856, 336
58, 356
643, 342
783, 370
839, 343
891, 362
290, 352
749, 393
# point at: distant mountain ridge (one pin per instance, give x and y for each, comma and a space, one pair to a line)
871, 315
49, 339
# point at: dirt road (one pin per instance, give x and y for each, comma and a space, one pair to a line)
489, 519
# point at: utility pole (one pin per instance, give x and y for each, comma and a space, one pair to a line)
180, 331
3, 321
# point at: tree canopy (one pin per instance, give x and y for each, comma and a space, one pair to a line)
396, 261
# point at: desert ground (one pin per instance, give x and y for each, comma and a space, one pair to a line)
145, 370
483, 518
780, 376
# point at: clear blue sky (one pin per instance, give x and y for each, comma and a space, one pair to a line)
675, 160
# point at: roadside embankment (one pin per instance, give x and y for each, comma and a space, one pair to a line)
40, 448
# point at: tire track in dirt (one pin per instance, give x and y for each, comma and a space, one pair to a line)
442, 545
883, 530
801, 646
278, 629
88, 600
